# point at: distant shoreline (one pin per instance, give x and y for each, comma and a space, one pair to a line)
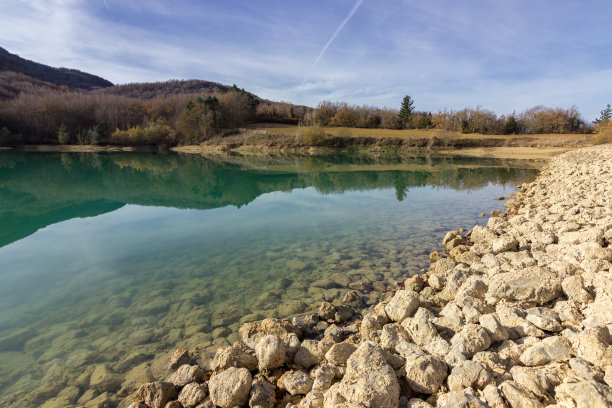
503, 152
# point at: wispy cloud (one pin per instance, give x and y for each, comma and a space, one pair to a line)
330, 41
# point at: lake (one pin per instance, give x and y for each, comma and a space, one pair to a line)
117, 259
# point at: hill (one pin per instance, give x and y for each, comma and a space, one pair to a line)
33, 75
150, 90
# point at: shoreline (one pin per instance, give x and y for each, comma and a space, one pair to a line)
517, 312
370, 147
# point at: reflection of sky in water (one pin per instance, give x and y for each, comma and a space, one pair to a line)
78, 254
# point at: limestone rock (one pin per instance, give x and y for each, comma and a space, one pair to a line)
339, 353
403, 304
186, 374
493, 397
425, 374
262, 395
314, 399
192, 394
469, 374
312, 352
554, 348
327, 311
420, 330
271, 352
492, 324
471, 339
156, 394
459, 400
545, 319
573, 287
178, 358
297, 382
584, 394
230, 388
234, 356
369, 380
532, 284
391, 335
518, 397
585, 370
417, 403
592, 348
504, 244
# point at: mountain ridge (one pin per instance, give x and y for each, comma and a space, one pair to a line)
71, 78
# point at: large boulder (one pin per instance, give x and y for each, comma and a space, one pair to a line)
470, 340
584, 394
469, 374
517, 397
271, 352
230, 388
369, 380
402, 305
192, 394
425, 374
186, 374
533, 284
156, 394
554, 348
297, 382
237, 356
339, 353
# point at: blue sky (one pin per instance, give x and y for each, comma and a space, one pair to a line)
502, 55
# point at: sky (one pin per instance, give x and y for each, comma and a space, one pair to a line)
501, 55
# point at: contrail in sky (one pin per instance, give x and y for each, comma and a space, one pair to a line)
331, 40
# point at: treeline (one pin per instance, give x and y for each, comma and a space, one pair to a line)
106, 118
131, 115
470, 120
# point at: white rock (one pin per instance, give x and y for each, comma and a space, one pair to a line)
402, 305
271, 352
554, 348
369, 380
425, 374
230, 388
297, 382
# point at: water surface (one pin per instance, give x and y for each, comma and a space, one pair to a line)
116, 259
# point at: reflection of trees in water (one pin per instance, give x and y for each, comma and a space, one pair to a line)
38, 189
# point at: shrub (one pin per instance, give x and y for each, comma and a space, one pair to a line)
155, 134
63, 136
311, 136
604, 134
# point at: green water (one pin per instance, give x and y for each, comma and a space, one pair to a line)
118, 258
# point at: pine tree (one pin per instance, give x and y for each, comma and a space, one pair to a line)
606, 115
406, 111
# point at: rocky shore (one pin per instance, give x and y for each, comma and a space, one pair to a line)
517, 313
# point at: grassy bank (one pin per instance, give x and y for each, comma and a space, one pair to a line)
274, 137
265, 137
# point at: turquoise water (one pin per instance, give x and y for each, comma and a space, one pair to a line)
116, 259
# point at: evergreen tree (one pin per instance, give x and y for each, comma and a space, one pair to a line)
511, 125
406, 110
606, 115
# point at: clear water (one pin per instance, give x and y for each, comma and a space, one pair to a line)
116, 259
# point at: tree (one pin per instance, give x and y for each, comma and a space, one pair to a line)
63, 136
406, 110
606, 115
511, 125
